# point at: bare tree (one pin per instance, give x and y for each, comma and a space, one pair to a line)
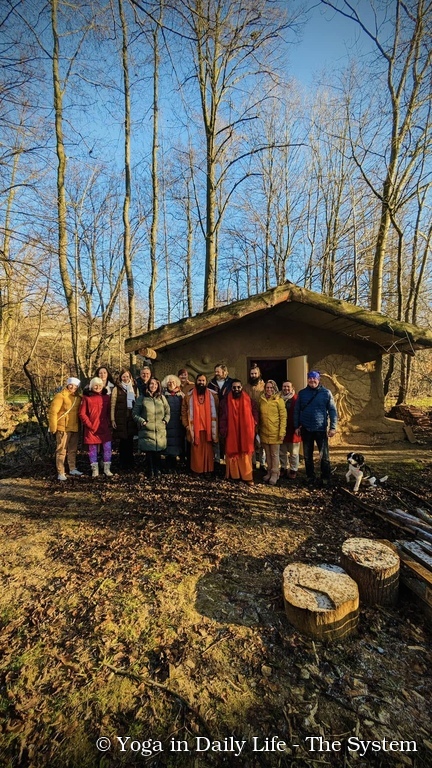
404, 54
59, 85
127, 257
97, 263
155, 34
231, 43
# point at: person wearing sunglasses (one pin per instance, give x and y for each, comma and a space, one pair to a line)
238, 419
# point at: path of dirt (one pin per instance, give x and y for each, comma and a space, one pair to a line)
153, 610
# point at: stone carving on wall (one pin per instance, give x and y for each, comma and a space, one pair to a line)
349, 385
205, 366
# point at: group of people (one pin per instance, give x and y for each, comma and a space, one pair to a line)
198, 422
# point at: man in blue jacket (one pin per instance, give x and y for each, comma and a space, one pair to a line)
314, 410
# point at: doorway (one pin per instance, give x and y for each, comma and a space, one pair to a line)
271, 368
281, 368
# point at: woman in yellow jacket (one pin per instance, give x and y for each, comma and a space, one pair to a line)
64, 424
272, 428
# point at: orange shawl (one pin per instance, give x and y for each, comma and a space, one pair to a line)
210, 415
241, 425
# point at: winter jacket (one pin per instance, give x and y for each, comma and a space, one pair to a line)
141, 386
94, 413
314, 409
121, 415
175, 430
290, 435
222, 391
273, 419
255, 390
63, 412
187, 387
152, 415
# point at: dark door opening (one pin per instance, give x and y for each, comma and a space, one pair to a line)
275, 369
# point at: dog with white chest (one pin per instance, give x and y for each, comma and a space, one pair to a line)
360, 471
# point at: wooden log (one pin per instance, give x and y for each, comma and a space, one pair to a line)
409, 433
425, 516
417, 553
418, 580
147, 352
422, 534
417, 496
408, 520
374, 566
321, 601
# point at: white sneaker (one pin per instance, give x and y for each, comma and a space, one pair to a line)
62, 478
76, 473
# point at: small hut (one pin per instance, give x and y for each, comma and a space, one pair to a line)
287, 331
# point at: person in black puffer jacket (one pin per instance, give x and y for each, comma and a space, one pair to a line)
123, 398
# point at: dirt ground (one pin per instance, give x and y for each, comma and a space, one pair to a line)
142, 623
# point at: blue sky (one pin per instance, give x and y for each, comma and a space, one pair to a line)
327, 41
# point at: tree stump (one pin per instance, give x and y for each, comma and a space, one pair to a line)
321, 601
374, 566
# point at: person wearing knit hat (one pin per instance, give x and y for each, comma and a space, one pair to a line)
64, 424
95, 414
315, 420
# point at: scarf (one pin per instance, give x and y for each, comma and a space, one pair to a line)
241, 425
130, 394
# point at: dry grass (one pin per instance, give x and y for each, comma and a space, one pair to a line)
155, 612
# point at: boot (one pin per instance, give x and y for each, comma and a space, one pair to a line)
95, 469
107, 470
274, 477
267, 477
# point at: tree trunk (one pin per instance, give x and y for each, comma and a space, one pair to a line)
127, 260
320, 601
210, 235
374, 566
155, 182
61, 195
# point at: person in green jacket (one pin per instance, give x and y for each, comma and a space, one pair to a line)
152, 413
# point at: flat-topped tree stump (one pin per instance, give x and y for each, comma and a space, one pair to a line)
374, 566
320, 600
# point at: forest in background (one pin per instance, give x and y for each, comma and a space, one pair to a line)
158, 158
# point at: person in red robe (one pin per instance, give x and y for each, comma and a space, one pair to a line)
200, 418
237, 423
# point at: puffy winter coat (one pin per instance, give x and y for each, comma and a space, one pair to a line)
63, 412
175, 429
314, 408
121, 415
152, 415
273, 419
94, 413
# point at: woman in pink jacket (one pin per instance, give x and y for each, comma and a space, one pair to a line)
95, 415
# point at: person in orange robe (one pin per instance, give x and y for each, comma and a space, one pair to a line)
237, 424
199, 417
